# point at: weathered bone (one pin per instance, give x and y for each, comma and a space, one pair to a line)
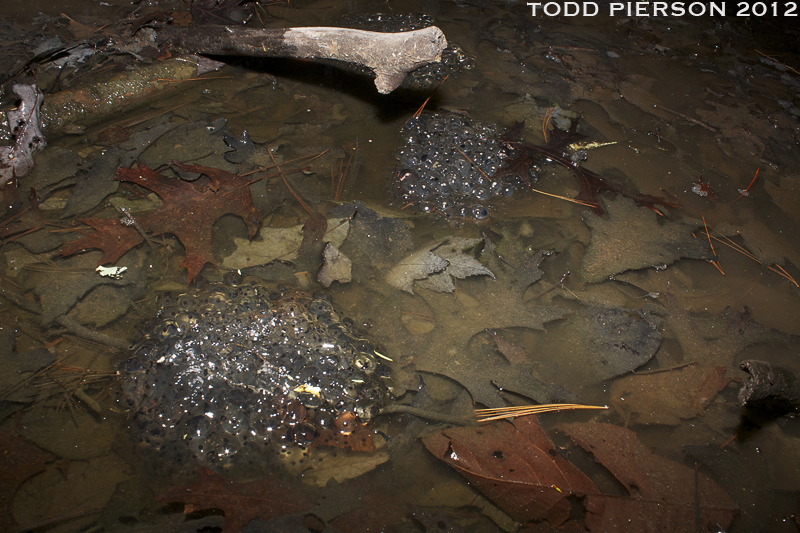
390, 55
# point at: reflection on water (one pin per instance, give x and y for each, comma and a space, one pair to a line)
538, 300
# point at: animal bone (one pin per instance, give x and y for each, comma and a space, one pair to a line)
391, 56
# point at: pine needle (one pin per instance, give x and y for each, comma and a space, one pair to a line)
500, 413
565, 198
546, 121
747, 190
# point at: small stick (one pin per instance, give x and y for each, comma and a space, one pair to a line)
687, 117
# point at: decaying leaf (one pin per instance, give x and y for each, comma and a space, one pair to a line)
25, 461
525, 155
765, 244
669, 396
631, 238
434, 266
59, 293
336, 267
663, 496
279, 243
715, 340
189, 213
489, 305
514, 465
325, 465
786, 194
604, 342
418, 265
241, 502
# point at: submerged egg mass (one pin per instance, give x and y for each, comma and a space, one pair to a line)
447, 165
229, 370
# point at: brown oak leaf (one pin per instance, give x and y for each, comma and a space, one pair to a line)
264, 499
514, 465
662, 495
111, 236
188, 212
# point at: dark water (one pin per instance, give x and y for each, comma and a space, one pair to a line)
673, 103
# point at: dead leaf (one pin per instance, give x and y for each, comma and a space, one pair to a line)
58, 293
436, 265
631, 238
279, 243
336, 267
418, 265
21, 460
525, 156
715, 340
604, 342
488, 305
189, 213
241, 502
786, 194
661, 493
669, 396
110, 235
25, 124
514, 465
324, 466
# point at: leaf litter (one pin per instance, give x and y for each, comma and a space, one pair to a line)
662, 495
225, 193
515, 465
631, 238
434, 266
667, 396
241, 502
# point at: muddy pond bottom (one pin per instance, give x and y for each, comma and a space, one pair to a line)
231, 371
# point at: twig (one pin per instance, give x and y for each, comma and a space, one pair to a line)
687, 117
428, 415
78, 330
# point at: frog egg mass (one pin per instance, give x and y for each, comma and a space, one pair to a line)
229, 372
447, 166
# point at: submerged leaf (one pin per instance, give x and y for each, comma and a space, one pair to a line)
336, 267
241, 502
189, 212
669, 396
525, 155
514, 465
436, 265
418, 265
631, 238
662, 495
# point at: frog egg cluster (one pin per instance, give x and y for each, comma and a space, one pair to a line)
231, 371
447, 164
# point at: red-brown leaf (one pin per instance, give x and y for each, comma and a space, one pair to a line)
591, 183
20, 461
662, 495
514, 465
190, 210
241, 502
111, 236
